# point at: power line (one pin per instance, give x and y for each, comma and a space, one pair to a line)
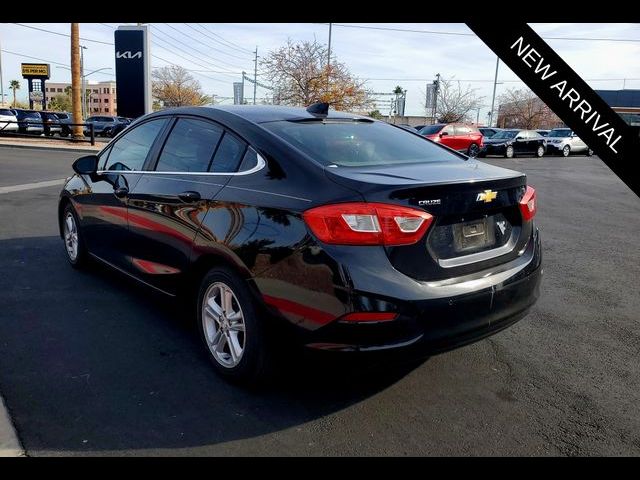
209, 46
231, 44
490, 81
194, 49
61, 34
465, 34
35, 58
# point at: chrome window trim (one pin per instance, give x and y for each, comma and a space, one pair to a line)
259, 166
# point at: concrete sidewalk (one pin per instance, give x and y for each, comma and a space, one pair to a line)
9, 443
51, 145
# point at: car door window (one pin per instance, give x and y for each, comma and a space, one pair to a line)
190, 146
228, 155
131, 150
449, 129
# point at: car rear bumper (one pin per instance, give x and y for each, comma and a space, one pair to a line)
488, 149
489, 304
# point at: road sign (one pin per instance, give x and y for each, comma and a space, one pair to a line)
38, 70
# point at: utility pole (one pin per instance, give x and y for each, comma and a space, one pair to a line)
493, 98
478, 117
255, 75
244, 74
1, 79
75, 80
435, 99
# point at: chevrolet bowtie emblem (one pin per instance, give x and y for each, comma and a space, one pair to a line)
486, 196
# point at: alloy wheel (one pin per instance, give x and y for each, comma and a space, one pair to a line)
71, 236
509, 152
540, 151
566, 151
223, 324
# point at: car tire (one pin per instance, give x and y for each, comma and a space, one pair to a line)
589, 152
234, 336
566, 151
509, 152
473, 150
540, 151
73, 239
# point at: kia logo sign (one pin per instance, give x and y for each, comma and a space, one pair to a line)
128, 54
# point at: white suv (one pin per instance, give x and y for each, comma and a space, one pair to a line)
7, 116
566, 142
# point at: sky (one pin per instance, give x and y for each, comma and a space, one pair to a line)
216, 54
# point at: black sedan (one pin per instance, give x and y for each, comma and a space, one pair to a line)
328, 229
512, 142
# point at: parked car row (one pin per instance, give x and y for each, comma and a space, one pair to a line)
40, 122
510, 142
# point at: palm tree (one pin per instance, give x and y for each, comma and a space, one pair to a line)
14, 85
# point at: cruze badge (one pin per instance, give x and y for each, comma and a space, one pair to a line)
487, 196
429, 202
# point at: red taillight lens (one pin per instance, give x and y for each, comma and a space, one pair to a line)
360, 223
529, 204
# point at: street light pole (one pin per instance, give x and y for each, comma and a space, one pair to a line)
493, 98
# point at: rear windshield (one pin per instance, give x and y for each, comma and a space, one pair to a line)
561, 132
504, 134
358, 144
431, 129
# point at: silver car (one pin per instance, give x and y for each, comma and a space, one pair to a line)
564, 141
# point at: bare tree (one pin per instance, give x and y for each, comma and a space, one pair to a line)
300, 76
454, 103
521, 108
173, 86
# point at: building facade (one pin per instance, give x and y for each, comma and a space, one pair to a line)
625, 102
101, 97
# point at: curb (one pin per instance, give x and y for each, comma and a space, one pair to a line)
54, 148
9, 443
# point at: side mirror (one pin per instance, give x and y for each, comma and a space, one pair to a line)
519, 139
442, 134
87, 165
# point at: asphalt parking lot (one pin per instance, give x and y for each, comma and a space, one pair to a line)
91, 363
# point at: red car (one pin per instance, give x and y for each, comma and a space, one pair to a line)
458, 136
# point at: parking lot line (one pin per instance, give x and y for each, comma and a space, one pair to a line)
31, 186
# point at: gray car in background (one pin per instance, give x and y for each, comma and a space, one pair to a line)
565, 142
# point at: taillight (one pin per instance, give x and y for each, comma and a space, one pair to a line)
528, 204
361, 317
360, 223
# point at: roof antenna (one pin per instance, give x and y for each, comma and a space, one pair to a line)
320, 109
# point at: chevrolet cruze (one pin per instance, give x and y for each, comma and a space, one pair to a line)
325, 228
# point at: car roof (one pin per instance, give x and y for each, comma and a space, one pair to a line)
257, 113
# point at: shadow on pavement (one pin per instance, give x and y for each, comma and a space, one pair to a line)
92, 361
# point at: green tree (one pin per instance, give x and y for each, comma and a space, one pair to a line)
375, 114
14, 85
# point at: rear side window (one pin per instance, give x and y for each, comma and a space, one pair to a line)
131, 150
189, 147
357, 144
228, 155
4, 111
430, 129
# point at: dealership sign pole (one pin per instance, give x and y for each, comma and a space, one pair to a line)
582, 109
133, 71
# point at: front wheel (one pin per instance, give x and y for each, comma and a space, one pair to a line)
509, 152
566, 151
589, 152
234, 337
73, 240
540, 151
473, 150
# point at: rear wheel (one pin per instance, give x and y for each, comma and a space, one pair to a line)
509, 152
589, 152
473, 150
234, 337
540, 151
566, 151
73, 240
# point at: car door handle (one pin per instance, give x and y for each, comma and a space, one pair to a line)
121, 192
189, 196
